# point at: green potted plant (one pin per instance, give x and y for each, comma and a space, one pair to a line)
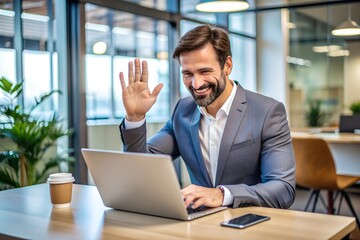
25, 158
355, 107
315, 116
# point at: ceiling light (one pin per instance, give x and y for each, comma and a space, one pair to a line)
222, 6
291, 25
99, 48
325, 49
347, 28
298, 61
339, 53
162, 55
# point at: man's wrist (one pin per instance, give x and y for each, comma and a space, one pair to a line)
228, 197
131, 125
221, 188
135, 118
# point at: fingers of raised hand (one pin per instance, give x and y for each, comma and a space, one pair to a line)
137, 70
140, 73
157, 89
144, 73
122, 80
131, 72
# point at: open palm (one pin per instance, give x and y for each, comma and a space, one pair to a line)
137, 98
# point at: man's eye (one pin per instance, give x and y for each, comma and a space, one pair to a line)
187, 75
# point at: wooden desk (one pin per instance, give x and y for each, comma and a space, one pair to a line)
331, 137
27, 213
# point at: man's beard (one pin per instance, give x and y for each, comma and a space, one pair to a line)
217, 89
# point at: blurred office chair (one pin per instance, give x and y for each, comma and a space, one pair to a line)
315, 169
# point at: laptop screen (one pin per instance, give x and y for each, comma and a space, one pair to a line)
348, 123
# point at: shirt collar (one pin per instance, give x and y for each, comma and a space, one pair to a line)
225, 108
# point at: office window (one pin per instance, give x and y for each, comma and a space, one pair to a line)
319, 64
98, 94
7, 51
243, 23
121, 37
39, 57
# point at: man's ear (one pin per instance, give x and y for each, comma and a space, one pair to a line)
228, 65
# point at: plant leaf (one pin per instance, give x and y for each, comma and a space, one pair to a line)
6, 179
44, 98
32, 136
11, 158
5, 85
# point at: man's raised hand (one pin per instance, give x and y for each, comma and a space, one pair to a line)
136, 96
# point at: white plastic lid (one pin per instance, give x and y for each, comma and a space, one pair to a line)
58, 178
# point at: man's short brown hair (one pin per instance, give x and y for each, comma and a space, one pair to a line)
198, 37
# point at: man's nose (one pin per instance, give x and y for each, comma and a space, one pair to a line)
197, 81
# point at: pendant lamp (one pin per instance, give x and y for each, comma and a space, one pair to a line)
222, 6
347, 28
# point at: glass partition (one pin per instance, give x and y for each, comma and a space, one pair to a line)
318, 64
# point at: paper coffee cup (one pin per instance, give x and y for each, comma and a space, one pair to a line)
60, 189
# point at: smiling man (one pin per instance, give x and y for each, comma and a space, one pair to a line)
235, 143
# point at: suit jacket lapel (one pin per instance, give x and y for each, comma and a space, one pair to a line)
194, 132
235, 117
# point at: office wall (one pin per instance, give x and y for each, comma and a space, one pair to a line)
105, 137
272, 49
352, 75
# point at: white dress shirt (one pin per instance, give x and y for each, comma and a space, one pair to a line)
210, 134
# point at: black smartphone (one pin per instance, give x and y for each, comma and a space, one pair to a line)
244, 221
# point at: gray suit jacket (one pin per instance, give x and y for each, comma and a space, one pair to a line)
256, 160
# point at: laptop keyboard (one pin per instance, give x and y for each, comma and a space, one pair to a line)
199, 209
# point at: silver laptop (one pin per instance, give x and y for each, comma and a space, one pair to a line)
141, 183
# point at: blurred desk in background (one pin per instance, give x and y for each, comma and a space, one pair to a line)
345, 148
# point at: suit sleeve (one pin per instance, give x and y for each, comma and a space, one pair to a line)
277, 187
163, 142
134, 140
